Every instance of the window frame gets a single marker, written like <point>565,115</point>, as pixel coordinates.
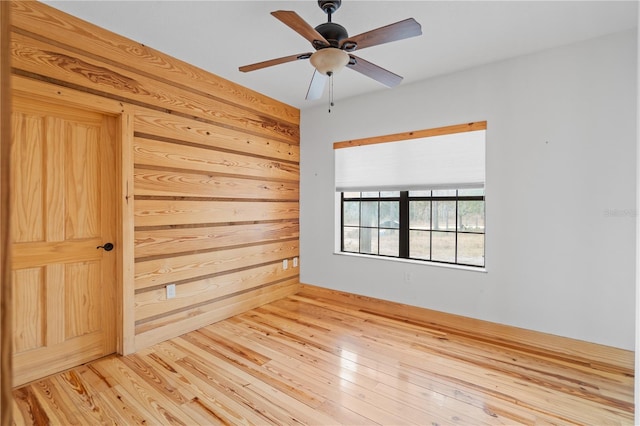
<point>353,182</point>
<point>404,199</point>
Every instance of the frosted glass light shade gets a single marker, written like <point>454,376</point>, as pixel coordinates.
<point>329,60</point>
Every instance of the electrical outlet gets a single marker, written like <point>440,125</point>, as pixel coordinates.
<point>285,264</point>
<point>171,291</point>
<point>295,262</point>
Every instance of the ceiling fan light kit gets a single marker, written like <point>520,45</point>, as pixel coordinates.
<point>329,60</point>
<point>334,46</point>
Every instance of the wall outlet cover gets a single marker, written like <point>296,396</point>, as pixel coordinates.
<point>171,291</point>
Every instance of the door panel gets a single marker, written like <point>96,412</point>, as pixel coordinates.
<point>27,176</point>
<point>28,330</point>
<point>82,183</point>
<point>82,301</point>
<point>63,209</point>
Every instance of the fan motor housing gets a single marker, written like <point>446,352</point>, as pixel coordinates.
<point>332,32</point>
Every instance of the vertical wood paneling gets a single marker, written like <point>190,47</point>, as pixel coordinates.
<point>210,176</point>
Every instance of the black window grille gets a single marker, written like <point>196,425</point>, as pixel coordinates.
<point>444,226</point>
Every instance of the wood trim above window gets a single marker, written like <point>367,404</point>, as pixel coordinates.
<point>416,134</point>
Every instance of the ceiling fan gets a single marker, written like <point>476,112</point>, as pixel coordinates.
<point>333,47</point>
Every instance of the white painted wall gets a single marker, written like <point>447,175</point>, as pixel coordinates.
<point>560,191</point>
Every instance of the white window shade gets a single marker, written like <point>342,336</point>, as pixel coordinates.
<point>449,161</point>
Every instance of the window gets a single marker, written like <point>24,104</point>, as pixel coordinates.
<point>371,223</point>
<point>445,226</point>
<point>418,195</point>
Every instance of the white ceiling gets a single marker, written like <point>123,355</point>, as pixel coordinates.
<point>220,36</point>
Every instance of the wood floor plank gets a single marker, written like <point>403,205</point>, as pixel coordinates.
<point>235,369</point>
<point>596,356</point>
<point>203,413</point>
<point>212,395</point>
<point>347,377</point>
<point>238,390</point>
<point>50,395</point>
<point>163,410</point>
<point>321,358</point>
<point>85,400</point>
<point>156,380</point>
<point>388,346</point>
<point>27,409</point>
<point>126,406</point>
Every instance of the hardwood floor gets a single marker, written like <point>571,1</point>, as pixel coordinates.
<point>326,358</point>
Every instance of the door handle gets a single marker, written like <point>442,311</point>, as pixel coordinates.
<point>106,247</point>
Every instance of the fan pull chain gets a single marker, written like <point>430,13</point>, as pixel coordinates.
<point>330,92</point>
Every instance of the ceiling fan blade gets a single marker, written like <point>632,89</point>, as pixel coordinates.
<point>375,72</point>
<point>299,25</point>
<point>316,88</point>
<point>393,32</point>
<point>271,62</point>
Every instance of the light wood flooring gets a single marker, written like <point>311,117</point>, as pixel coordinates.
<point>326,358</point>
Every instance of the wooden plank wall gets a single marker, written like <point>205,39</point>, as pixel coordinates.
<point>215,172</point>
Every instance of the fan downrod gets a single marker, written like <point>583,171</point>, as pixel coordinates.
<point>332,32</point>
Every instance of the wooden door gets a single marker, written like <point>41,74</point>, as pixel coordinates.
<point>63,208</point>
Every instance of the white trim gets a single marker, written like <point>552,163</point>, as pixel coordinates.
<point>482,269</point>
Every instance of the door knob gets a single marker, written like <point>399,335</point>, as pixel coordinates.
<point>106,247</point>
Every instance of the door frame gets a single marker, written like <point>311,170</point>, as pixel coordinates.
<point>125,321</point>
<point>6,329</point>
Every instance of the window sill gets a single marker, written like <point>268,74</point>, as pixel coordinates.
<point>415,262</point>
